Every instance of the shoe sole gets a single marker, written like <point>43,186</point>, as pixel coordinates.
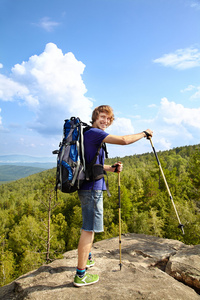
<point>88,266</point>
<point>85,284</point>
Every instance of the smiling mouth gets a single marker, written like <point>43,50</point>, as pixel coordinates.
<point>102,126</point>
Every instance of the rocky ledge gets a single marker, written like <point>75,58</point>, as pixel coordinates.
<point>152,268</point>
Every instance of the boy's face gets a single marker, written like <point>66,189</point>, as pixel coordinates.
<point>103,121</point>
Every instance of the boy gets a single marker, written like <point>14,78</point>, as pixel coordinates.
<point>91,193</point>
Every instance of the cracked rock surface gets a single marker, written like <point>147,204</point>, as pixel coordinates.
<point>152,268</point>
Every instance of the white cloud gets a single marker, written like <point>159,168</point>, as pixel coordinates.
<point>11,89</point>
<point>196,95</point>
<point>174,125</point>
<point>188,89</point>
<point>192,88</point>
<point>181,59</point>
<point>47,24</point>
<point>177,114</point>
<point>1,66</point>
<point>121,126</point>
<point>51,85</point>
<point>165,143</point>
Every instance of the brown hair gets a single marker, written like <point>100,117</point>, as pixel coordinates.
<point>103,108</point>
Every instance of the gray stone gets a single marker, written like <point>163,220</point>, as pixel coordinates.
<point>185,266</point>
<point>142,276</point>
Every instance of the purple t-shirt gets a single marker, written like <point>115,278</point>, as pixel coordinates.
<point>92,140</point>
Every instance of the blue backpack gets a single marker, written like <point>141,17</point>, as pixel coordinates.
<point>72,170</point>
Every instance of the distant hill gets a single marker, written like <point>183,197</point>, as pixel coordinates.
<point>26,158</point>
<point>14,167</point>
<point>28,161</point>
<point>13,172</point>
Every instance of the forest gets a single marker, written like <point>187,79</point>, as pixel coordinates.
<point>36,226</point>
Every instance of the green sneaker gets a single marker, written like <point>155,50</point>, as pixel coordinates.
<point>90,263</point>
<point>86,280</point>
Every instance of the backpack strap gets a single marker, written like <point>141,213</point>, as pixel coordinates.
<point>105,149</point>
<point>89,167</point>
<point>106,155</point>
<point>82,144</point>
<point>102,145</point>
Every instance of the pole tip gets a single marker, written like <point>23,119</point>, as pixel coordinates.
<point>120,266</point>
<point>181,227</point>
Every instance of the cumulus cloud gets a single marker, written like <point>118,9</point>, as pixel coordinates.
<point>121,126</point>
<point>173,124</point>
<point>181,59</point>
<point>177,114</point>
<point>11,89</point>
<point>51,85</point>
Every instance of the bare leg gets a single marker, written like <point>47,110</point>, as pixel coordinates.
<point>84,247</point>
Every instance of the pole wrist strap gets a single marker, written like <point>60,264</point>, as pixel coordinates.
<point>147,135</point>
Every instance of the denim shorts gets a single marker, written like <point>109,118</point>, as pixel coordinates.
<point>92,209</point>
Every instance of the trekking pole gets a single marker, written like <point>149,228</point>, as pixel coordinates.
<point>120,242</point>
<point>165,181</point>
<point>119,198</point>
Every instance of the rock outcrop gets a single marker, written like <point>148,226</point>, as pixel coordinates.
<point>152,268</point>
<point>185,266</point>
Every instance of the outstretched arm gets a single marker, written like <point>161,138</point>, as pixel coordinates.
<point>126,139</point>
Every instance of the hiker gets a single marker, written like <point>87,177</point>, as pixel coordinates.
<point>91,193</point>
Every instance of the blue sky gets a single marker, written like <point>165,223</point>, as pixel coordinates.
<point>61,58</point>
